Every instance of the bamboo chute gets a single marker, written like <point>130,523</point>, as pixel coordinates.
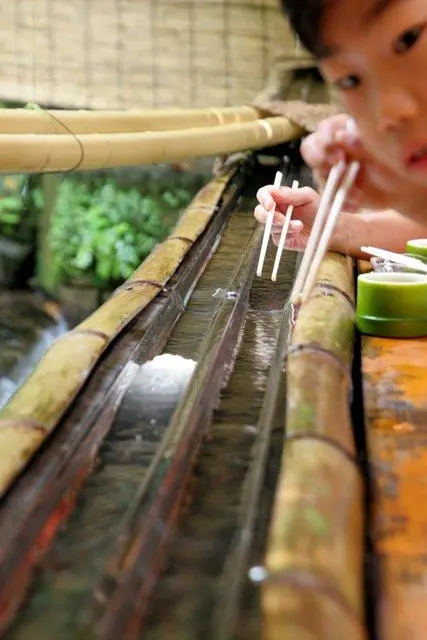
<point>314,561</point>
<point>29,153</point>
<point>54,121</point>
<point>35,409</point>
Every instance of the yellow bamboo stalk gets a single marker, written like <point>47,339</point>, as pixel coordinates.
<point>38,405</point>
<point>314,558</point>
<point>30,153</point>
<point>56,121</point>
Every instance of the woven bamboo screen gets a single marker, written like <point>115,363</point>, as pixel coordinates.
<point>139,53</point>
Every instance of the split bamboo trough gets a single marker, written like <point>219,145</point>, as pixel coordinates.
<point>38,405</point>
<point>317,561</point>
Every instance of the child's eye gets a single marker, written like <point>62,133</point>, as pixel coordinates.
<point>407,40</point>
<point>347,83</point>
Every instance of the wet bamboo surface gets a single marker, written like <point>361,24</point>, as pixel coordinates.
<point>54,478</point>
<point>394,374</point>
<point>151,503</point>
<point>35,409</point>
<point>62,604</point>
<point>314,561</point>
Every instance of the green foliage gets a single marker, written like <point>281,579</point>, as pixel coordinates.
<point>100,232</point>
<point>17,209</point>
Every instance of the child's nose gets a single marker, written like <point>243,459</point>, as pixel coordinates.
<point>396,107</point>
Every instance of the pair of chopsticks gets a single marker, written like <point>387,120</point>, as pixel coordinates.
<point>340,181</point>
<point>267,231</point>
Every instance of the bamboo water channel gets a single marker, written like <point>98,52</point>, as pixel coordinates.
<point>148,498</point>
<point>222,489</point>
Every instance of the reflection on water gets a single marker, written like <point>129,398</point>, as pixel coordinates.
<point>62,597</point>
<point>61,601</point>
<point>159,384</point>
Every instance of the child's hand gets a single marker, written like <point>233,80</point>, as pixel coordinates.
<point>377,186</point>
<point>305,201</point>
<point>319,150</point>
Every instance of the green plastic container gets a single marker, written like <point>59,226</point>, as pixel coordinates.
<point>392,305</point>
<point>417,249</point>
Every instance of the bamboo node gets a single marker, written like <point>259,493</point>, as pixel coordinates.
<point>334,289</point>
<point>89,332</point>
<point>317,348</point>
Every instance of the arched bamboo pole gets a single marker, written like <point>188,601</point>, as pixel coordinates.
<point>82,122</point>
<point>38,405</point>
<point>314,561</point>
<point>30,153</point>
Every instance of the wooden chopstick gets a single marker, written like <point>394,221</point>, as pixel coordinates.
<point>334,177</point>
<point>268,226</point>
<point>283,235</point>
<point>327,215</point>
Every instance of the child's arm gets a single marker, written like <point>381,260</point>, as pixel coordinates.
<point>385,229</point>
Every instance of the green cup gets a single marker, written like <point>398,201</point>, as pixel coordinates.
<point>392,305</point>
<point>417,249</point>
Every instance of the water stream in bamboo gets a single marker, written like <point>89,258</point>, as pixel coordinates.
<point>61,597</point>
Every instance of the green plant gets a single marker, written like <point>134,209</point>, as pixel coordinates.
<point>18,204</point>
<point>100,232</point>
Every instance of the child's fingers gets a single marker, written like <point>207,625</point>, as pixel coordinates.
<point>294,232</point>
<point>261,215</point>
<point>270,196</point>
<point>314,148</point>
<point>295,227</point>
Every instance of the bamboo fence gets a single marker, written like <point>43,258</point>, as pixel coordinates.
<point>394,374</point>
<point>125,54</point>
<point>313,589</point>
<point>38,405</point>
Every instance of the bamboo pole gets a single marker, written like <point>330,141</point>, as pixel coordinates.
<point>40,121</point>
<point>314,560</point>
<point>38,405</point>
<point>30,153</point>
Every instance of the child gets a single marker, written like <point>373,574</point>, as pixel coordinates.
<point>374,53</point>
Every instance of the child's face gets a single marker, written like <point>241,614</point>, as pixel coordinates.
<point>378,64</point>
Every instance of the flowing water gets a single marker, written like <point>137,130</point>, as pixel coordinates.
<point>60,603</point>
<point>28,325</point>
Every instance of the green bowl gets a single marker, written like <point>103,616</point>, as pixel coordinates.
<point>417,248</point>
<point>392,305</point>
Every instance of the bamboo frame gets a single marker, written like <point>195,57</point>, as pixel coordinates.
<point>31,153</point>
<point>50,122</point>
<point>38,405</point>
<point>314,559</point>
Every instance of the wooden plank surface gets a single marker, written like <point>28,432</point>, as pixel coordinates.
<point>395,399</point>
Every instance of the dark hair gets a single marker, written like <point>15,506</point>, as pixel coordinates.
<point>306,18</point>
